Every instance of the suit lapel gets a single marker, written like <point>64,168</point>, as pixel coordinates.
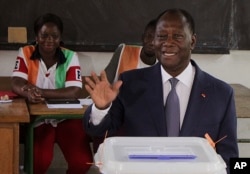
<point>196,103</point>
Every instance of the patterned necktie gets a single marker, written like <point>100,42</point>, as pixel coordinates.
<point>172,110</point>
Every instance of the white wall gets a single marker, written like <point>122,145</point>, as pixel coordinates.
<point>232,68</point>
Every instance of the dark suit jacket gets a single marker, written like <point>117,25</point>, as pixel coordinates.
<point>139,109</point>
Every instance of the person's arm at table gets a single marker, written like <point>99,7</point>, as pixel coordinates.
<point>34,94</point>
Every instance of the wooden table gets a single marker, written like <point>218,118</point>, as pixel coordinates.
<point>39,112</point>
<point>242,100</point>
<point>11,114</point>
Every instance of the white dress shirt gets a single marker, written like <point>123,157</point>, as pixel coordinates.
<point>183,87</point>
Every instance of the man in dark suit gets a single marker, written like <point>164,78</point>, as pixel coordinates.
<point>136,102</point>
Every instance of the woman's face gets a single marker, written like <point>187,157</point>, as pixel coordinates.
<point>48,38</point>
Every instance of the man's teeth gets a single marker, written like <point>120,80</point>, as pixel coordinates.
<point>169,54</point>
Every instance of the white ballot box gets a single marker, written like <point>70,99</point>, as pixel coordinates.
<point>158,155</point>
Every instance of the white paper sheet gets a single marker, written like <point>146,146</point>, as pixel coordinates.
<point>83,101</point>
<point>64,106</point>
<point>86,101</point>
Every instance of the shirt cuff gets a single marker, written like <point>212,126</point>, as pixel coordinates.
<point>97,115</point>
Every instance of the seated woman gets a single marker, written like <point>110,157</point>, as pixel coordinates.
<point>47,70</point>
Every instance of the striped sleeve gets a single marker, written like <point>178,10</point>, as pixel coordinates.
<point>20,69</point>
<point>74,75</point>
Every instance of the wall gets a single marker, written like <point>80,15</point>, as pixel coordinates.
<point>232,68</point>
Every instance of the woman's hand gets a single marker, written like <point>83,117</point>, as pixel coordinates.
<point>101,91</point>
<point>34,94</point>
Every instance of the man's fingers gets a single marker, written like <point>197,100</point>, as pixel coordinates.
<point>117,85</point>
<point>88,89</point>
<point>95,77</point>
<point>89,82</point>
<point>103,76</point>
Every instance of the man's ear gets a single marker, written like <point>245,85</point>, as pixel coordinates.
<point>193,41</point>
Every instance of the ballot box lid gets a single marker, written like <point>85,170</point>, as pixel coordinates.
<point>158,155</point>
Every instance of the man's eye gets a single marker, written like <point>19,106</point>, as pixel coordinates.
<point>178,36</point>
<point>162,37</point>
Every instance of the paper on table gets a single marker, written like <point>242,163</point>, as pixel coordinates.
<point>5,101</point>
<point>64,106</point>
<point>86,101</point>
<point>83,101</point>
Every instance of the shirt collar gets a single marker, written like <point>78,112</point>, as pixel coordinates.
<point>186,77</point>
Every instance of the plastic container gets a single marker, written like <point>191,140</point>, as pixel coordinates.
<point>158,155</point>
